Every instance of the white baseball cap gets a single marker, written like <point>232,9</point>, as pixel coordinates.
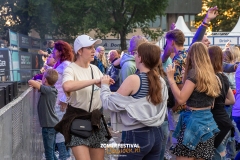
<point>84,41</point>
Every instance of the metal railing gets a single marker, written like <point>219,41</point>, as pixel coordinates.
<point>20,131</point>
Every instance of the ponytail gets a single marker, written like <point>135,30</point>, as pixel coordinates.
<point>154,93</point>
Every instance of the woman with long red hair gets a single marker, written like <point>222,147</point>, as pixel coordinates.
<point>63,55</point>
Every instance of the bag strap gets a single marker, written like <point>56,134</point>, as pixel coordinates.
<point>92,90</point>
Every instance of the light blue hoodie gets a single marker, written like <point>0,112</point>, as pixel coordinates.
<point>128,66</point>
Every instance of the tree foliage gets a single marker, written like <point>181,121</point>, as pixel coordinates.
<point>118,17</point>
<point>24,15</point>
<point>228,14</point>
<point>73,17</point>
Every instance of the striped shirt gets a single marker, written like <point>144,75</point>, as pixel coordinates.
<point>144,87</point>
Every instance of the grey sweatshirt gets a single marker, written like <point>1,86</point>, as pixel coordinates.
<point>128,113</point>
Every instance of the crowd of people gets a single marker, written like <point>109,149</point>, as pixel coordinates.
<point>184,98</point>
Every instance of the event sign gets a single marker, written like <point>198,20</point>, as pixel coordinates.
<point>35,43</point>
<point>223,40</point>
<point>36,61</point>
<point>25,64</point>
<point>110,44</point>
<point>15,66</point>
<point>25,60</point>
<point>24,41</point>
<point>13,38</point>
<point>4,65</point>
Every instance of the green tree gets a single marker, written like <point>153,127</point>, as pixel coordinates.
<point>118,17</point>
<point>228,14</point>
<point>23,15</point>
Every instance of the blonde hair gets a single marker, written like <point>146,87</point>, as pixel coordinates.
<point>236,53</point>
<point>198,60</point>
<point>103,59</point>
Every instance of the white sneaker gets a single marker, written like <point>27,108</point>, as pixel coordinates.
<point>167,155</point>
<point>43,156</point>
<point>57,154</point>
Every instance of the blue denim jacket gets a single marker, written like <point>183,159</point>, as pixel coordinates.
<point>200,126</point>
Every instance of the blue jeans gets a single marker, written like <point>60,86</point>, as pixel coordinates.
<point>149,139</point>
<point>49,134</point>
<point>64,152</point>
<point>123,136</point>
<point>221,148</point>
<point>237,121</point>
<point>230,147</point>
<point>238,156</point>
<point>165,132</point>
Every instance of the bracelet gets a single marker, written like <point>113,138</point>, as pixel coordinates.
<point>235,66</point>
<point>172,83</point>
<point>205,23</point>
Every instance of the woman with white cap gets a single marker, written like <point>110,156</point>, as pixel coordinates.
<point>81,82</point>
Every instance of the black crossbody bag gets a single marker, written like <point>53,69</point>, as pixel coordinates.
<point>83,127</point>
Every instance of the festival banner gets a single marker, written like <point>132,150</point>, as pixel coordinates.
<point>13,40</point>
<point>15,65</point>
<point>24,41</point>
<point>25,60</point>
<point>35,43</point>
<point>4,65</point>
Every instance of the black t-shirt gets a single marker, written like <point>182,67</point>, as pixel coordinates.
<point>198,99</point>
<point>219,113</point>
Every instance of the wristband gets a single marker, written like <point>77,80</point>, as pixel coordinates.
<point>235,66</point>
<point>205,23</point>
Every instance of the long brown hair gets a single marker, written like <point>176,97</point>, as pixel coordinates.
<point>199,60</point>
<point>159,69</point>
<point>216,57</point>
<point>150,54</point>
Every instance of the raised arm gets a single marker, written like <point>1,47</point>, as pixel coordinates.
<point>43,53</point>
<point>228,68</point>
<point>211,14</point>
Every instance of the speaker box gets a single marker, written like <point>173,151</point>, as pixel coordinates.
<point>6,89</point>
<point>14,91</point>
<point>2,104</point>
